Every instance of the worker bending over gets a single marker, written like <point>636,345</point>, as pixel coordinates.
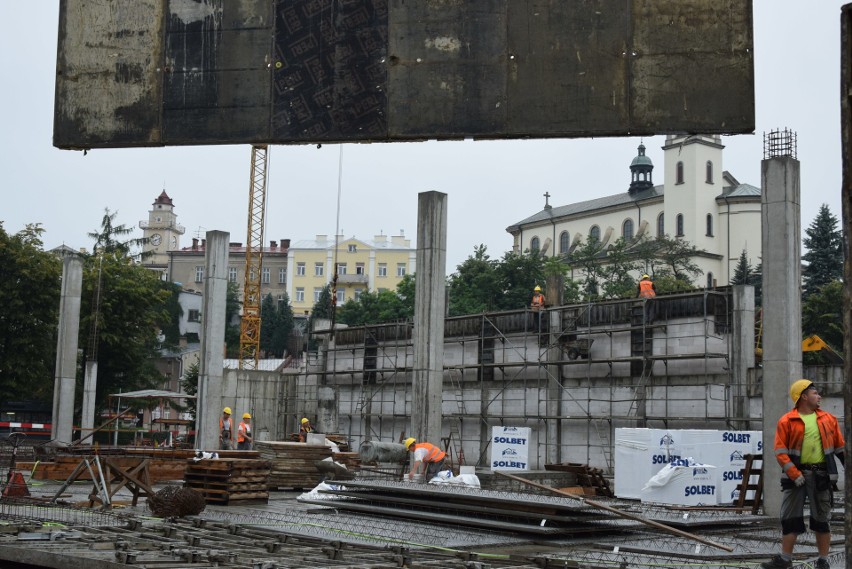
<point>427,458</point>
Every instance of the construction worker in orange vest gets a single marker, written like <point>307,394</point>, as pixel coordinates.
<point>226,430</point>
<point>537,305</point>
<point>647,291</point>
<point>305,428</point>
<point>427,457</point>
<point>244,438</point>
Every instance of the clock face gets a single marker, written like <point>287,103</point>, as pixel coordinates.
<point>156,239</point>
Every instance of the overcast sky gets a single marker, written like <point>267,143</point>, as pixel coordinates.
<point>490,185</point>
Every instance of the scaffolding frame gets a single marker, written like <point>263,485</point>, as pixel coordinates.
<point>514,368</point>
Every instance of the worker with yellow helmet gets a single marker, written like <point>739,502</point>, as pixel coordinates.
<point>427,458</point>
<point>807,440</point>
<point>244,438</point>
<point>226,428</point>
<point>647,292</point>
<point>305,428</point>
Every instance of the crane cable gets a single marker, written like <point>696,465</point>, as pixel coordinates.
<point>333,299</point>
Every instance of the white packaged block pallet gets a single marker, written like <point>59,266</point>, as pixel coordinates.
<point>684,482</point>
<point>639,455</point>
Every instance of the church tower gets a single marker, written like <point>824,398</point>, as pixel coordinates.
<point>640,170</point>
<point>161,231</point>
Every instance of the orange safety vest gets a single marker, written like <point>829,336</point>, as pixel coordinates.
<point>434,454</point>
<point>646,289</point>
<point>790,434</point>
<point>242,431</point>
<point>538,300</point>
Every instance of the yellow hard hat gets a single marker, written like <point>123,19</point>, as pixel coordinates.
<point>645,277</point>
<point>409,441</point>
<point>246,416</point>
<point>798,388</point>
<point>305,420</point>
<point>537,288</point>
<point>226,410</point>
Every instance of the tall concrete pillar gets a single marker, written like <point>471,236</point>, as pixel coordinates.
<point>554,388</point>
<point>90,388</point>
<point>782,305</point>
<point>429,310</point>
<point>65,378</point>
<point>742,352</point>
<point>211,372</point>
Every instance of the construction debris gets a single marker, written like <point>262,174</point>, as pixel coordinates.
<point>227,480</point>
<point>176,502</point>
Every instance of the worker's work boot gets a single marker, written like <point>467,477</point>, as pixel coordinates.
<point>822,563</point>
<point>777,562</point>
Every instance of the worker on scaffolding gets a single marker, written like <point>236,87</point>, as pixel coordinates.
<point>305,428</point>
<point>427,458</point>
<point>244,438</point>
<point>807,440</point>
<point>537,305</point>
<point>226,428</point>
<point>647,292</point>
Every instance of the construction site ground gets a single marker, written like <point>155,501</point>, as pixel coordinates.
<point>290,533</point>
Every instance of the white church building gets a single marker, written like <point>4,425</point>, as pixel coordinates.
<point>698,201</point>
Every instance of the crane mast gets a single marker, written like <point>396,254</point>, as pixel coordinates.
<point>250,321</point>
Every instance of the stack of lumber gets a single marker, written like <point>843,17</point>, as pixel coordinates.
<point>351,460</point>
<point>165,464</point>
<point>227,480</point>
<point>293,464</point>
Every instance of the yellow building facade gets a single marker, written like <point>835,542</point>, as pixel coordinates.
<point>362,265</point>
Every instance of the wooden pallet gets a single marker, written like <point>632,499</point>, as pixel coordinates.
<point>227,480</point>
<point>587,477</point>
<point>753,467</point>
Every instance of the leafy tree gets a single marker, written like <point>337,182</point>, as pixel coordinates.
<point>822,314</point>
<point>588,257</point>
<point>171,329</point>
<point>405,292</point>
<point>383,306</point>
<point>824,256</point>
<point>475,286</point>
<point>189,382</point>
<point>617,281</point>
<point>518,274</point>
<point>677,258</point>
<point>30,289</point>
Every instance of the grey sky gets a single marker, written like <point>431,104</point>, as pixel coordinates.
<point>490,185</point>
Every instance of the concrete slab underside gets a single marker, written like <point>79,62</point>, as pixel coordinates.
<point>287,533</point>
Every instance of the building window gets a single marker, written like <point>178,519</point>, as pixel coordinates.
<point>709,225</point>
<point>535,245</point>
<point>679,225</point>
<point>341,296</point>
<point>353,248</point>
<point>194,315</point>
<point>627,229</point>
<point>563,242</point>
<point>317,293</point>
<point>300,269</point>
<point>300,294</point>
<point>199,274</point>
<point>400,269</point>
<point>383,269</point>
<point>595,233</point>
<point>232,274</point>
<point>359,268</point>
<point>282,275</point>
<point>710,283</point>
<point>709,172</point>
<point>264,275</point>
<point>358,292</point>
<point>661,225</point>
<point>679,173</point>
<point>318,269</point>
<point>341,268</point>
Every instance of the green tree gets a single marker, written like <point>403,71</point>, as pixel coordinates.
<point>189,382</point>
<point>285,323</point>
<point>616,279</point>
<point>107,238</point>
<point>171,330</point>
<point>518,274</point>
<point>743,271</point>
<point>588,257</point>
<point>30,289</point>
<point>475,286</point>
<point>822,314</point>
<point>677,259</point>
<point>276,325</point>
<point>824,256</point>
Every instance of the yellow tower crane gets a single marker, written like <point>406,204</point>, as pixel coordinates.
<point>250,321</point>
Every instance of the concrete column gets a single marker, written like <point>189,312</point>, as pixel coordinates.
<point>211,372</point>
<point>429,310</point>
<point>65,378</point>
<point>90,387</point>
<point>782,306</point>
<point>742,352</point>
<point>328,409</point>
<point>554,388</point>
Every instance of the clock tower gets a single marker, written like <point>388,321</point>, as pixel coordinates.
<point>161,232</point>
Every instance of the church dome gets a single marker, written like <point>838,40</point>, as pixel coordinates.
<point>641,159</point>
